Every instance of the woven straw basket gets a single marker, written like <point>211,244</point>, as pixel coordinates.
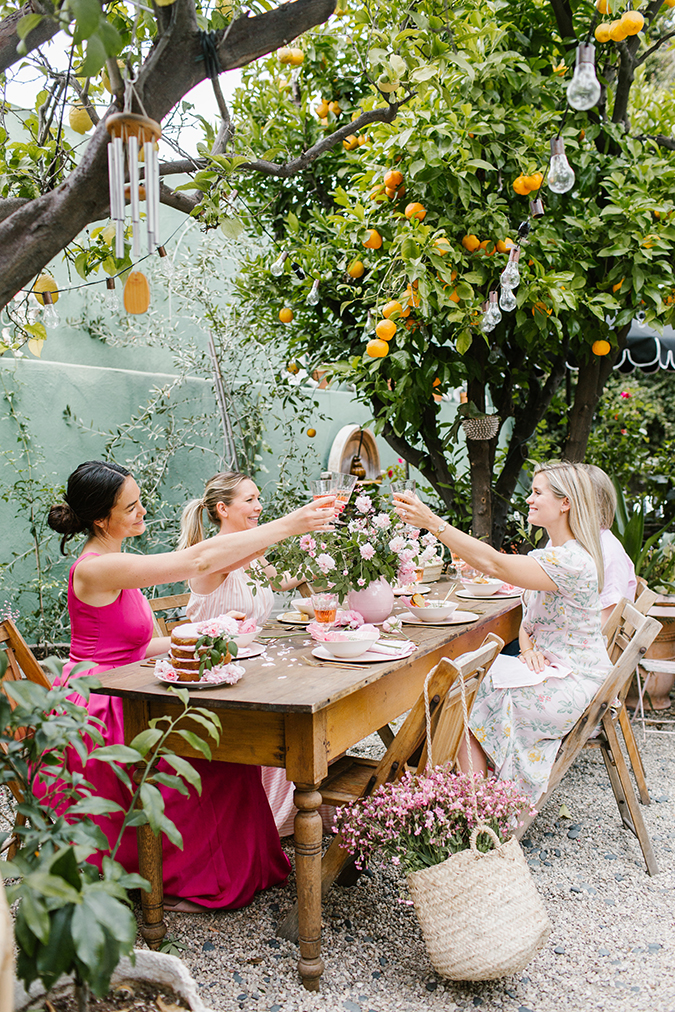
<point>480,914</point>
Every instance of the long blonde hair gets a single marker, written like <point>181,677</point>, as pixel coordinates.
<point>572,481</point>
<point>605,494</point>
<point>221,488</point>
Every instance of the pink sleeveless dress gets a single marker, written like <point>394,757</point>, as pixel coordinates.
<point>231,848</point>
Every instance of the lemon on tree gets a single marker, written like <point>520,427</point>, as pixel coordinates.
<point>286,314</point>
<point>385,329</point>
<point>79,119</point>
<point>356,269</point>
<point>471,243</point>
<point>373,239</point>
<point>601,348</point>
<point>390,309</point>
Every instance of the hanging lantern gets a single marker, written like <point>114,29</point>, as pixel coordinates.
<point>136,293</point>
<point>129,135</point>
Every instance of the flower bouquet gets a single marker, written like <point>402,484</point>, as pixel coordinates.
<point>368,544</point>
<point>478,907</point>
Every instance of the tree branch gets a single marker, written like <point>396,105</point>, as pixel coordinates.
<point>9,40</point>
<point>563,16</point>
<point>660,139</point>
<point>652,49</point>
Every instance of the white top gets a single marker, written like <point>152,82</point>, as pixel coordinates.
<point>619,571</point>
<point>235,593</point>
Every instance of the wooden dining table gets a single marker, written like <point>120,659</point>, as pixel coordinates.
<point>291,710</point>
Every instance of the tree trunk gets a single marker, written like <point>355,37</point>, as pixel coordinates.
<point>481,488</point>
<point>591,380</point>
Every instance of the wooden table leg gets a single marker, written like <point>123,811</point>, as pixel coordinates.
<point>153,927</point>
<point>308,833</point>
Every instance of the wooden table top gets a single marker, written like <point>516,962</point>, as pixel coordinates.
<point>286,678</point>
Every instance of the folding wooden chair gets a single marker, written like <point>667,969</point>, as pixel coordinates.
<point>353,777</point>
<point>20,664</point>
<point>164,624</point>
<point>617,632</point>
<point>634,633</point>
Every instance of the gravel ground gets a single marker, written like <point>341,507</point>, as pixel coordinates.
<point>612,946</point>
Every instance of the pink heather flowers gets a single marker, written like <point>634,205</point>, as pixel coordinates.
<point>419,821</point>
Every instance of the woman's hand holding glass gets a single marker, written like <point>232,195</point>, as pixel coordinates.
<point>413,511</point>
<point>315,516</point>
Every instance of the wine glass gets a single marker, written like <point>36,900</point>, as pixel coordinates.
<point>344,486</point>
<point>322,487</point>
<point>325,608</point>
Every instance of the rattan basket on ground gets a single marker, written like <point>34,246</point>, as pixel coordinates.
<point>480,914</point>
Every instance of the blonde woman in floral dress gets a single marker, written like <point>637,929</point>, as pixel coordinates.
<point>518,729</point>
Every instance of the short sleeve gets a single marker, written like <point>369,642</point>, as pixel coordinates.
<point>619,572</point>
<point>571,570</point>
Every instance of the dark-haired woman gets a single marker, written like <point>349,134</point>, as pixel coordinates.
<point>231,847</point>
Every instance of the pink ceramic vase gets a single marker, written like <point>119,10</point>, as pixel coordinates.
<point>374,602</point>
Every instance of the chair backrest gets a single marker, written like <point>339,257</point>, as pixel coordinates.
<point>615,630</point>
<point>634,635</point>
<point>20,661</point>
<point>162,624</point>
<point>644,596</point>
<point>446,714</point>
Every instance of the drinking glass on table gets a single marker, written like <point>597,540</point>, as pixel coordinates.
<point>325,607</point>
<point>322,486</point>
<point>343,488</point>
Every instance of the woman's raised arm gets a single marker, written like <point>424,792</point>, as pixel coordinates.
<point>516,569</point>
<point>100,574</point>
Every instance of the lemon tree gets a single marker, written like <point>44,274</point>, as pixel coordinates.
<point>480,91</point>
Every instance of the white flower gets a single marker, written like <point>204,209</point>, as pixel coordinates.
<point>429,539</point>
<point>397,544</point>
<point>325,563</point>
<point>382,521</point>
<point>364,503</point>
<point>367,551</point>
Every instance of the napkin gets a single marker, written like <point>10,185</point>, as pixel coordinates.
<point>397,648</point>
<point>510,672</point>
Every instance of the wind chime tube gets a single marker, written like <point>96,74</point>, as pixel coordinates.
<point>118,145</point>
<point>132,158</point>
<point>112,175</point>
<point>154,163</point>
<point>148,151</point>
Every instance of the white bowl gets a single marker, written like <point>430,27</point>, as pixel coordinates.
<point>349,648</point>
<point>243,639</point>
<point>303,604</point>
<point>482,589</point>
<point>436,610</point>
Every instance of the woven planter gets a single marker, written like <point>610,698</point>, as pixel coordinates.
<point>480,914</point>
<point>481,428</point>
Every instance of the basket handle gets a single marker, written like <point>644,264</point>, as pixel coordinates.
<point>480,829</point>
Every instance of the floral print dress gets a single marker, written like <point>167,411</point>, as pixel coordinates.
<point>521,728</point>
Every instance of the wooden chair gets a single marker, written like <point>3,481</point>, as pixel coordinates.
<point>633,634</point>
<point>353,777</point>
<point>617,631</point>
<point>164,625</point>
<point>20,664</point>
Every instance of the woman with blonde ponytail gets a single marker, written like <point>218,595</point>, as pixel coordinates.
<point>231,502</point>
<point>523,711</point>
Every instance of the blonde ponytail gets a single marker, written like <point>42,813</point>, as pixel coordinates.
<point>191,524</point>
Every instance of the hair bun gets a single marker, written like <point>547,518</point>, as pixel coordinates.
<point>63,519</point>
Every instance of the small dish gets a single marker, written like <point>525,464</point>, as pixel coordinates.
<point>482,589</point>
<point>294,618</point>
<point>230,677</point>
<point>349,648</point>
<point>459,618</point>
<point>252,650</point>
<point>244,639</point>
<point>303,605</point>
<point>411,588</point>
<point>467,595</point>
<point>435,610</point>
<point>369,656</point>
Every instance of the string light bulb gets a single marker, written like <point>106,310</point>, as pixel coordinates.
<point>277,268</point>
<point>493,309</point>
<point>510,276</point>
<point>560,172</point>
<point>313,297</point>
<point>486,324</point>
<point>584,89</point>
<point>110,300</point>
<point>50,312</point>
<point>640,318</point>
<point>167,262</point>
<point>507,299</point>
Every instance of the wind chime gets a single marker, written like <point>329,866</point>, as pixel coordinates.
<point>133,138</point>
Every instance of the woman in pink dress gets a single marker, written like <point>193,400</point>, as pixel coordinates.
<point>232,504</point>
<point>231,848</point>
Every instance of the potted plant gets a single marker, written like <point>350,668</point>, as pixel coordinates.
<point>369,551</point>
<point>451,834</point>
<point>70,918</point>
